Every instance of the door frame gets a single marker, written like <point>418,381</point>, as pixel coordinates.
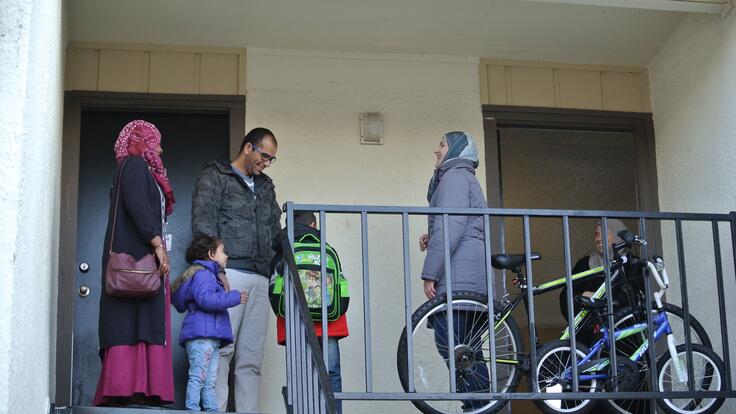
<point>75,102</point>
<point>637,123</point>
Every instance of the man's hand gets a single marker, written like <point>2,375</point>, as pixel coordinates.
<point>429,289</point>
<point>423,240</point>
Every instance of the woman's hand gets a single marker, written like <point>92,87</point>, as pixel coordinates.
<point>429,289</point>
<point>423,240</point>
<point>163,260</point>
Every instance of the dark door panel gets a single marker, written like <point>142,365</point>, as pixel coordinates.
<point>189,141</point>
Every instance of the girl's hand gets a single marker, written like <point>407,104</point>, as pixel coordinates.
<point>423,240</point>
<point>163,260</point>
<point>429,289</point>
<point>243,296</point>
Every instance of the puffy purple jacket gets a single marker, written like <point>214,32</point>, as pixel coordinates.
<point>206,302</point>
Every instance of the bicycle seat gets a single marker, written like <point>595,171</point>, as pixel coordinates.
<point>590,303</point>
<point>511,261</point>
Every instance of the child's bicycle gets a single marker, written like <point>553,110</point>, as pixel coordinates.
<point>554,366</point>
<point>472,342</point>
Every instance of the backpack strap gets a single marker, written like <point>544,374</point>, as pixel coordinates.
<point>311,238</point>
<point>303,238</point>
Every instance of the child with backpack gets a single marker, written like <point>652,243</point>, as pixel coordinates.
<point>307,257</point>
<point>202,294</point>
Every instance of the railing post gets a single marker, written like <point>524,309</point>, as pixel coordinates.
<point>323,281</point>
<point>609,299</point>
<point>490,284</point>
<point>570,305</point>
<point>530,306</point>
<point>407,302</point>
<point>722,302</point>
<point>288,308</point>
<point>450,316</point>
<point>685,304</point>
<point>650,323</point>
<point>366,302</point>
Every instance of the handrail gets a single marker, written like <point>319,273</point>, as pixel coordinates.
<point>508,212</point>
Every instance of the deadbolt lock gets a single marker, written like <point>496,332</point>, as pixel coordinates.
<point>84,291</point>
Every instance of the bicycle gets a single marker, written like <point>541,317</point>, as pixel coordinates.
<point>472,340</point>
<point>554,366</point>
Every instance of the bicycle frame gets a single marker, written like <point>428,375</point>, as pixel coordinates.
<point>547,287</point>
<point>661,328</point>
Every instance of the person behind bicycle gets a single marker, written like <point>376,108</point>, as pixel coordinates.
<point>454,184</point>
<point>590,284</point>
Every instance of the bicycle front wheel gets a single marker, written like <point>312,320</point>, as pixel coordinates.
<point>626,347</point>
<point>708,375</point>
<point>471,354</point>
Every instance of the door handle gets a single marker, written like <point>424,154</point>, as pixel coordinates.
<point>84,291</point>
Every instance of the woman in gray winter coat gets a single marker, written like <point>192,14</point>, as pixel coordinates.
<point>454,185</point>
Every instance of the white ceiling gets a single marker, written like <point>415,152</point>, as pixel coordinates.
<point>507,29</point>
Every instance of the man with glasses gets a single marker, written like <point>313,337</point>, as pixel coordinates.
<point>236,202</point>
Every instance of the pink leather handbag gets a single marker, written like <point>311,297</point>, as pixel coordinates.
<point>126,277</point>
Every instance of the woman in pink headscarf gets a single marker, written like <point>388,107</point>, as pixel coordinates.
<point>135,334</point>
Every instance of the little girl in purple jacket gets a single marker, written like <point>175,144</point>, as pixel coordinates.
<point>202,294</point>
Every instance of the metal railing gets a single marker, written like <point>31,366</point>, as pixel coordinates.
<point>298,323</point>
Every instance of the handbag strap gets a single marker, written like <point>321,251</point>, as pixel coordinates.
<point>118,181</point>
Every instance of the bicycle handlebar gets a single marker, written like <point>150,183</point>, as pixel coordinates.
<point>629,239</point>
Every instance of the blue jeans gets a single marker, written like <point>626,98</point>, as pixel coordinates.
<point>472,377</point>
<point>203,361</point>
<point>333,368</point>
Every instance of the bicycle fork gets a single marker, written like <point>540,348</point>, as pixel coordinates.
<point>664,283</point>
<point>679,369</point>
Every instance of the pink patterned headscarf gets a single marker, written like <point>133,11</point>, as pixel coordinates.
<point>143,138</point>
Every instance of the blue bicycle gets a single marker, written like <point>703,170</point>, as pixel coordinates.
<point>555,375</point>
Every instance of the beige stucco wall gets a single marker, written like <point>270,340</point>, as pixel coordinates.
<point>312,102</point>
<point>693,87</point>
<point>30,164</point>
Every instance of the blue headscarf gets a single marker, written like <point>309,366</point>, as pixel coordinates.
<point>461,149</point>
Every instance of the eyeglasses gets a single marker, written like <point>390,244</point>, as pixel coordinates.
<point>265,157</point>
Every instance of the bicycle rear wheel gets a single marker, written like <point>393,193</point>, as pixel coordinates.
<point>554,378</point>
<point>471,354</point>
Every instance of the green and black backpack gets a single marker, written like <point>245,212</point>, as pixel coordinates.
<point>308,263</point>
